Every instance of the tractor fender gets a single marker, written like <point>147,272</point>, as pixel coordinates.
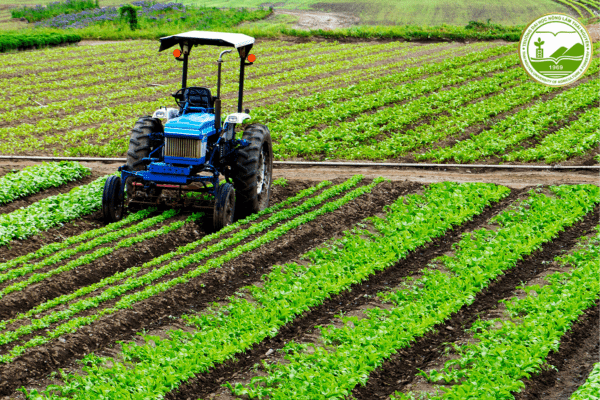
<point>236,118</point>
<point>166,113</point>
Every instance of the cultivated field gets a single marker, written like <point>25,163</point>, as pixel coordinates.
<point>340,288</point>
<point>418,12</point>
<point>438,102</point>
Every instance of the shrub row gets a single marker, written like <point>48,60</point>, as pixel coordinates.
<point>29,39</point>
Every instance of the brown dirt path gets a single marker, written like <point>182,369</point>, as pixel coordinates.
<point>314,20</point>
<point>516,179</point>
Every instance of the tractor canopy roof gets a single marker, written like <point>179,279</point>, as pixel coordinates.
<point>238,40</point>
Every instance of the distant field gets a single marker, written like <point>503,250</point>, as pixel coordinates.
<point>382,12</point>
<point>398,101</point>
<point>418,12</point>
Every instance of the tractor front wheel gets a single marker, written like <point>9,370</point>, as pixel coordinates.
<point>253,170</point>
<point>224,206</point>
<point>112,200</point>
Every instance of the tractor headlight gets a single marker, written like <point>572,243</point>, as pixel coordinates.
<point>166,113</point>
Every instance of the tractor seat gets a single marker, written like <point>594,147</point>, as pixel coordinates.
<point>198,97</point>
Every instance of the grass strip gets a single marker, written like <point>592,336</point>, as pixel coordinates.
<point>86,259</point>
<point>36,178</point>
<point>352,352</point>
<point>165,257</point>
<point>16,40</point>
<point>56,246</point>
<point>506,351</point>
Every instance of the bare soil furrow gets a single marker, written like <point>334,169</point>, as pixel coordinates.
<point>118,261</point>
<point>159,310</point>
<point>400,370</point>
<point>578,352</point>
<point>355,297</point>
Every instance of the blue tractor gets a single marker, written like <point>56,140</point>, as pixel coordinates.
<point>187,156</point>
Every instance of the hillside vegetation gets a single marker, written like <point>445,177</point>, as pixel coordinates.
<point>415,12</point>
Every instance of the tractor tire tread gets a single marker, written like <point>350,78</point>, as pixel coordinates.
<point>248,201</point>
<point>140,144</point>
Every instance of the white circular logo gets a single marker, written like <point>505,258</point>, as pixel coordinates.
<point>555,49</point>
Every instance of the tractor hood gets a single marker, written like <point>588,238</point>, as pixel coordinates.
<point>191,126</point>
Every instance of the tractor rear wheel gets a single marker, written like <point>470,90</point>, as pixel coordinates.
<point>140,145</point>
<point>253,170</point>
<point>224,206</point>
<point>112,200</point>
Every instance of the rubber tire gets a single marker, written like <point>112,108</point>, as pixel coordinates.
<point>112,200</point>
<point>245,171</point>
<point>140,145</point>
<point>224,208</point>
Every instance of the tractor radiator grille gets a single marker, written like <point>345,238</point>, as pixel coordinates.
<point>177,147</point>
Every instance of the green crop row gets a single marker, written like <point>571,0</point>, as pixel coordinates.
<point>285,293</point>
<point>294,135</point>
<point>121,111</point>
<point>575,139</point>
<point>17,40</point>
<point>361,73</point>
<point>351,352</point>
<point>70,241</point>
<point>590,389</point>
<point>344,137</point>
<point>62,57</point>
<point>506,351</point>
<point>45,321</point>
<point>108,132</point>
<point>297,109</point>
<point>160,67</point>
<point>172,75</point>
<point>61,300</point>
<point>51,211</point>
<point>65,58</point>
<point>529,122</point>
<point>455,123</point>
<point>144,60</point>
<point>83,248</point>
<point>24,133</point>
<point>35,178</point>
<point>147,280</point>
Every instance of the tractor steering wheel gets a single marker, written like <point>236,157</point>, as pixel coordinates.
<point>178,95</point>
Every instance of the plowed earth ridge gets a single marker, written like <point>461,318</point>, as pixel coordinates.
<point>160,312</point>
<point>356,296</point>
<point>401,369</point>
<point>157,309</point>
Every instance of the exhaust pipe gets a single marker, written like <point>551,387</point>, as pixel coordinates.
<point>218,99</point>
